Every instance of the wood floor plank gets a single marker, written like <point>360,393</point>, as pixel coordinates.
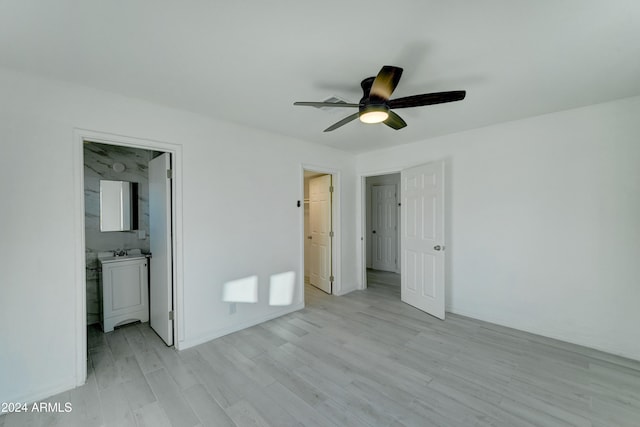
<point>151,415</point>
<point>244,414</point>
<point>269,408</point>
<point>239,362</point>
<point>275,328</point>
<point>170,397</point>
<point>115,407</point>
<point>235,381</point>
<point>104,366</point>
<point>340,415</point>
<point>174,365</point>
<point>208,411</point>
<point>285,324</point>
<point>373,408</point>
<point>138,393</point>
<point>224,395</point>
<point>532,414</point>
<point>296,407</point>
<point>285,376</point>
<point>86,404</point>
<point>117,342</point>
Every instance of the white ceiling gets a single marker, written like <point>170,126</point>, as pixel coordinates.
<point>248,61</point>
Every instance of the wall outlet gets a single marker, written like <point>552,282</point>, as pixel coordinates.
<point>232,308</point>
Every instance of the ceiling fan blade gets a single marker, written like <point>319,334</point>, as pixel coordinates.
<point>395,121</point>
<point>427,99</point>
<point>342,122</point>
<point>325,104</point>
<point>385,83</point>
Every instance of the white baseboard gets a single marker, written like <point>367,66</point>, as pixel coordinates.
<point>344,292</point>
<point>217,333</point>
<point>44,393</point>
<point>547,334</point>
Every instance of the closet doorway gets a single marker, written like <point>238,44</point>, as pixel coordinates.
<point>318,230</point>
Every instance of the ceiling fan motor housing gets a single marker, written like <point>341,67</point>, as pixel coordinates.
<point>376,108</point>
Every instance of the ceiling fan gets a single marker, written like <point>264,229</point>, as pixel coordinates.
<point>375,105</point>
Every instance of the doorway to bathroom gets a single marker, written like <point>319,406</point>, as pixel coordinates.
<point>131,274</point>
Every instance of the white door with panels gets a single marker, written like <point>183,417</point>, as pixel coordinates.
<point>422,271</point>
<point>161,269</point>
<point>321,232</point>
<point>384,227</point>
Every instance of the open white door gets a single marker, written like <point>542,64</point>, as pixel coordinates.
<point>320,224</point>
<point>384,237</point>
<point>422,239</point>
<point>161,270</point>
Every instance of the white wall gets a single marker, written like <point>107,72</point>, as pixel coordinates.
<point>543,220</point>
<point>240,188</point>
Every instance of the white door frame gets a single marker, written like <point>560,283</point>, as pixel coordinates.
<point>363,221</point>
<point>336,225</point>
<point>81,135</point>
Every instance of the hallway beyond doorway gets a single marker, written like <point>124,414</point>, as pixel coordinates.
<point>384,280</point>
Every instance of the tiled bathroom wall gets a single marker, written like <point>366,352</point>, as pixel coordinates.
<point>98,164</point>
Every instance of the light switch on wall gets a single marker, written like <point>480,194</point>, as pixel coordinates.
<point>142,234</point>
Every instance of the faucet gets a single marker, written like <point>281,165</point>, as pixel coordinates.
<point>119,252</point>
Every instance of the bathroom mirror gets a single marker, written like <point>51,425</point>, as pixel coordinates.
<point>118,205</point>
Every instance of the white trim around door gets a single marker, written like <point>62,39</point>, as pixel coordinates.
<point>79,136</point>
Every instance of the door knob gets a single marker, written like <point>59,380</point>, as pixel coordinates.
<point>374,231</point>
<point>437,248</point>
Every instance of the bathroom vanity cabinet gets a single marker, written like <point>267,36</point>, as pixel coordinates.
<point>124,291</point>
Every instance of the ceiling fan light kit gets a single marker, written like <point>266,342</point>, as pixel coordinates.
<point>375,105</point>
<point>374,114</point>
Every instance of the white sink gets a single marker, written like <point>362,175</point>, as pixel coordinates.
<point>132,254</point>
<point>122,258</point>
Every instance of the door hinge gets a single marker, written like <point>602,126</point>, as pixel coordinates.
<point>331,234</point>
<point>331,278</point>
<point>331,189</point>
<point>171,315</point>
<point>169,173</point>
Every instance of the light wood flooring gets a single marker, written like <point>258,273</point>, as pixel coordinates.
<point>364,359</point>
